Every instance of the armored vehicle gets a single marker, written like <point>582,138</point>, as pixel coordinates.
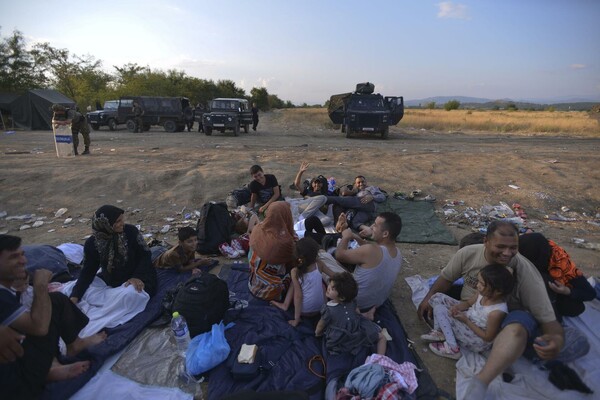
<point>227,114</point>
<point>107,116</point>
<point>167,112</point>
<point>365,111</point>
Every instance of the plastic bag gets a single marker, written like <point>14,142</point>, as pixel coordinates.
<point>207,350</point>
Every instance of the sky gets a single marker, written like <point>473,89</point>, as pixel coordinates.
<point>305,51</point>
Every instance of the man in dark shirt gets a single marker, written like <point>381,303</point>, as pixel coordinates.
<point>254,116</point>
<point>264,188</point>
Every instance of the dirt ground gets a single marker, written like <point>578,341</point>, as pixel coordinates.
<point>158,175</point>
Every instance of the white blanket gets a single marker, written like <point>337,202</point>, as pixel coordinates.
<point>529,381</point>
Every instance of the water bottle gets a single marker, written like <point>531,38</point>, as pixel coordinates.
<point>330,185</point>
<point>180,332</point>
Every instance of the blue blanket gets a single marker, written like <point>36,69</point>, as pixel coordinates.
<point>117,339</point>
<point>289,348</point>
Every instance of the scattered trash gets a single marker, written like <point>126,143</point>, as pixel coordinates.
<point>552,161</point>
<point>51,230</point>
<point>165,229</point>
<point>10,132</point>
<point>119,201</point>
<point>558,217</point>
<point>37,224</point>
<point>68,221</point>
<point>24,227</point>
<point>60,212</point>
<point>3,214</point>
<point>20,217</point>
<point>3,232</point>
<point>169,219</point>
<point>578,240</point>
<point>514,187</point>
<point>588,245</point>
<point>564,209</point>
<point>595,223</point>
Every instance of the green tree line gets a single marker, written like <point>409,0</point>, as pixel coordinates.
<point>83,79</point>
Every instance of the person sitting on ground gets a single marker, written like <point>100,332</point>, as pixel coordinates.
<point>127,278</point>
<point>306,292</point>
<point>271,254</point>
<point>345,329</point>
<point>567,288</point>
<point>181,257</point>
<point>314,197</point>
<point>530,318</point>
<point>474,323</point>
<point>27,367</point>
<point>377,264</point>
<point>264,188</point>
<point>357,203</point>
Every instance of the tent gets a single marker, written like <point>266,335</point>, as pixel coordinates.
<point>6,100</point>
<point>32,110</point>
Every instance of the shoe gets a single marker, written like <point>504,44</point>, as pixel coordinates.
<point>442,349</point>
<point>86,151</point>
<point>433,336</point>
<point>228,251</point>
<point>237,246</point>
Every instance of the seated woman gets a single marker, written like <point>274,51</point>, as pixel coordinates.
<point>127,279</point>
<point>271,253</point>
<point>567,287</point>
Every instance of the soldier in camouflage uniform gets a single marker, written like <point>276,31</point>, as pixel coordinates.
<point>65,116</point>
<point>138,111</point>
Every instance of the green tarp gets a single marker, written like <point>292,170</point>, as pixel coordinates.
<point>420,224</point>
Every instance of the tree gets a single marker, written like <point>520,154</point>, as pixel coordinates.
<point>18,70</point>
<point>260,96</point>
<point>452,105</point>
<point>430,105</point>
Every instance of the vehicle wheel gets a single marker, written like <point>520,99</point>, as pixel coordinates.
<point>131,125</point>
<point>236,130</point>
<point>170,126</point>
<point>385,132</point>
<point>95,127</point>
<point>246,128</point>
<point>348,131</point>
<point>112,124</point>
<point>146,127</point>
<point>208,130</point>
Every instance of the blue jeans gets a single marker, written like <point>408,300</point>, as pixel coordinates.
<point>576,344</point>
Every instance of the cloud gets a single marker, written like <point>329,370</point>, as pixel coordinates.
<point>447,9</point>
<point>577,66</point>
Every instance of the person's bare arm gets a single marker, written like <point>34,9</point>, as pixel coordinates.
<point>297,298</point>
<point>440,285</point>
<point>275,197</point>
<point>463,305</point>
<point>253,199</point>
<point>10,344</point>
<point>37,321</point>
<point>320,327</point>
<point>298,181</point>
<point>551,342</point>
<point>493,324</point>
<point>359,256</point>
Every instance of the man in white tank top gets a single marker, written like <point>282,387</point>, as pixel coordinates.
<point>377,264</point>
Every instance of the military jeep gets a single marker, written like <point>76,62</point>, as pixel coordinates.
<point>107,116</point>
<point>227,114</point>
<point>365,111</point>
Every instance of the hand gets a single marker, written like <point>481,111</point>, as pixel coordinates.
<point>42,277</point>
<point>347,234</point>
<point>425,311</point>
<point>365,231</point>
<point>262,209</point>
<point>138,285</point>
<point>453,310</point>
<point>366,199</point>
<point>294,323</point>
<point>304,166</point>
<point>196,271</point>
<point>10,345</point>
<point>559,288</point>
<point>460,316</point>
<point>318,333</point>
<point>74,300</point>
<point>548,346</point>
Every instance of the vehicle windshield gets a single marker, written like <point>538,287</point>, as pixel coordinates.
<point>366,103</point>
<point>111,105</point>
<point>225,105</point>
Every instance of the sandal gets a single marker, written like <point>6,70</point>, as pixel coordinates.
<point>434,336</point>
<point>444,350</point>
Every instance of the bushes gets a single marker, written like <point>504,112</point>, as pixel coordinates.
<point>452,105</point>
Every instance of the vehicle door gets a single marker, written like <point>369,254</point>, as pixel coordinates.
<point>245,113</point>
<point>125,110</point>
<point>396,106</point>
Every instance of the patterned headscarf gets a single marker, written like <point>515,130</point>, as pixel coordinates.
<point>111,246</point>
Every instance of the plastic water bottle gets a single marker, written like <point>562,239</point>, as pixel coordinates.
<point>181,332</point>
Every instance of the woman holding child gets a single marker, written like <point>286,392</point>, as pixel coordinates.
<point>271,253</point>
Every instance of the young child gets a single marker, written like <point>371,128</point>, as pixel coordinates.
<point>306,290</point>
<point>182,257</point>
<point>473,323</point>
<point>345,329</point>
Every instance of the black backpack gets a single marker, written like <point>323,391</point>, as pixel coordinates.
<point>214,227</point>
<point>203,301</point>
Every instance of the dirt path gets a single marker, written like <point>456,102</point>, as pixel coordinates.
<point>157,175</point>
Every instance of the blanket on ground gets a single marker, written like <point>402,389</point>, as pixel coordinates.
<point>286,352</point>
<point>117,339</point>
<point>529,381</point>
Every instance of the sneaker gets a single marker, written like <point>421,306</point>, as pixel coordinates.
<point>442,349</point>
<point>433,336</point>
<point>228,251</point>
<point>237,246</point>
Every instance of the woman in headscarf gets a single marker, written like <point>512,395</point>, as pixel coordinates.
<point>271,253</point>
<point>126,278</point>
<point>567,287</point>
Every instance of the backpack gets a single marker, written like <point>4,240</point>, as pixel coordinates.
<point>215,226</point>
<point>203,301</point>
<point>238,197</point>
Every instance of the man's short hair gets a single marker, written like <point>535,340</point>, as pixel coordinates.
<point>185,233</point>
<point>391,223</point>
<point>9,242</point>
<point>359,177</point>
<point>255,168</point>
<point>496,226</point>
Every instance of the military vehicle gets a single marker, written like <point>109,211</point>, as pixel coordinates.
<point>168,112</point>
<point>365,111</point>
<point>227,114</point>
<point>107,116</point>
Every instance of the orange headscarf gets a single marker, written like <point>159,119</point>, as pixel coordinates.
<point>273,239</point>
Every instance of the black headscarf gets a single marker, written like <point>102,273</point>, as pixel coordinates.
<point>535,247</point>
<point>111,246</point>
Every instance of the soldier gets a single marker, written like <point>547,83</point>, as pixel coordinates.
<point>198,113</point>
<point>254,116</point>
<point>78,122</point>
<point>138,111</point>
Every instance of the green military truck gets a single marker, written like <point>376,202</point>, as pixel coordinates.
<point>227,114</point>
<point>168,112</point>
